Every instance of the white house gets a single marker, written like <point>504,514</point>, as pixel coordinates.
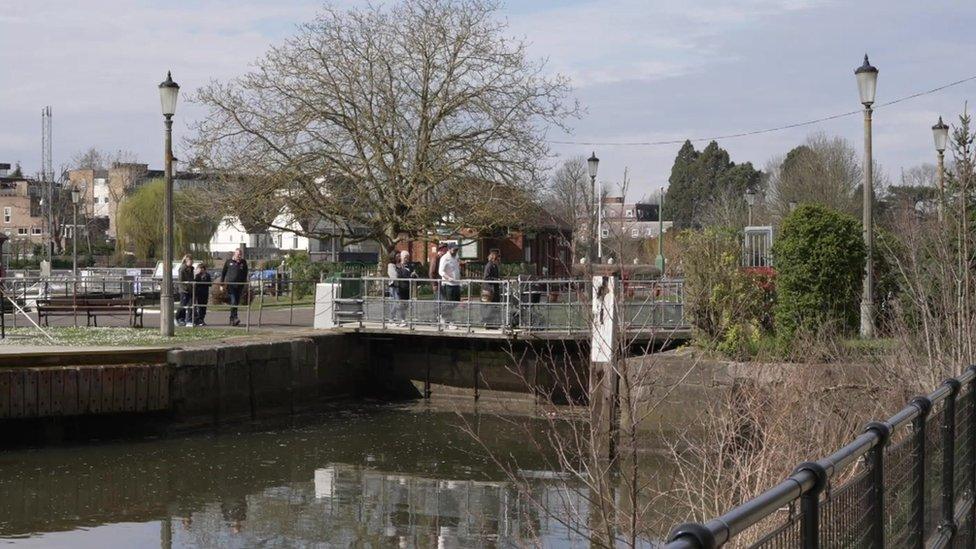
<point>267,242</point>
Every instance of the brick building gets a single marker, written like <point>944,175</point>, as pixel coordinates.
<point>20,214</point>
<point>541,243</point>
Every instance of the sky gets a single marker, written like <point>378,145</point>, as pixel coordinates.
<point>643,70</point>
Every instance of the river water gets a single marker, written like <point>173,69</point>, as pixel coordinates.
<point>357,475</point>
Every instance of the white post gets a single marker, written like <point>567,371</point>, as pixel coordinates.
<point>603,364</point>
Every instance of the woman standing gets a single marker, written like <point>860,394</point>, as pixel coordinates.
<point>392,263</point>
<point>491,293</point>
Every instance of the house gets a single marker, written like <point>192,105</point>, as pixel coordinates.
<point>282,237</point>
<point>104,190</point>
<point>22,219</point>
<point>540,242</point>
<point>635,221</point>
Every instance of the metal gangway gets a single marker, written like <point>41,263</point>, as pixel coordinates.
<point>519,305</point>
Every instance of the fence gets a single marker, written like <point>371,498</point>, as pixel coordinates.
<point>262,301</point>
<point>908,482</point>
<point>550,305</point>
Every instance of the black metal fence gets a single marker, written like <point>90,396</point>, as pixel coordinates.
<point>907,482</point>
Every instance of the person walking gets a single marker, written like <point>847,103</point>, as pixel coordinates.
<point>234,277</point>
<point>404,273</point>
<point>185,277</point>
<point>491,293</point>
<point>201,294</point>
<point>433,272</point>
<point>392,261</point>
<point>450,273</point>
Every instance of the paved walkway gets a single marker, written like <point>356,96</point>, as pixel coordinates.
<point>274,317</point>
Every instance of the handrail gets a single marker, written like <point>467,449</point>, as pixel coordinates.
<point>810,478</point>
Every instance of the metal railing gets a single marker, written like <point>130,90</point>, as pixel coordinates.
<point>908,481</point>
<point>524,304</point>
<point>262,301</point>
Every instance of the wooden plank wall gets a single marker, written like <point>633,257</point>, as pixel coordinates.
<point>83,390</point>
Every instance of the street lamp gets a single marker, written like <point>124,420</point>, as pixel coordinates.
<point>168,92</point>
<point>75,198</point>
<point>940,133</point>
<point>867,83</point>
<point>750,202</point>
<point>592,163</point>
<point>660,233</point>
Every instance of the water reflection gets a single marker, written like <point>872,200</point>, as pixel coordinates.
<point>374,476</point>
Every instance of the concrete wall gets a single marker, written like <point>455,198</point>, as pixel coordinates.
<point>250,380</point>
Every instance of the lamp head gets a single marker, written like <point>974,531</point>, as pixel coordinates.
<point>940,133</point>
<point>168,92</point>
<point>867,81</point>
<point>592,163</point>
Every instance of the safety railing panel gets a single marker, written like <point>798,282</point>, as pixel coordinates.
<point>550,305</point>
<point>905,482</point>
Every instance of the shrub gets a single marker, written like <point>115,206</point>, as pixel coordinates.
<point>820,261</point>
<point>724,302</point>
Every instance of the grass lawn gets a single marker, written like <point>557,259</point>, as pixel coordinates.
<point>107,337</point>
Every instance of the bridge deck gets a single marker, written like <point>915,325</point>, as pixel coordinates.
<point>660,334</point>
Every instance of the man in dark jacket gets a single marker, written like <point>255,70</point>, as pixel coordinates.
<point>201,295</point>
<point>234,278</point>
<point>186,290</point>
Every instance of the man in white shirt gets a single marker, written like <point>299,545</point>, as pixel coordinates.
<point>449,270</point>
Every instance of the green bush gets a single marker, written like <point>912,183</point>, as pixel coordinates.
<point>725,303</point>
<point>820,261</point>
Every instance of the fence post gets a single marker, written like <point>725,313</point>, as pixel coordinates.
<point>948,526</point>
<point>810,505</point>
<point>876,493</point>
<point>919,428</point>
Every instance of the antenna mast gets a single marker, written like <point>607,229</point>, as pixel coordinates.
<point>47,177</point>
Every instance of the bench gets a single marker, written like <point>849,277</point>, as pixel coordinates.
<point>92,308</point>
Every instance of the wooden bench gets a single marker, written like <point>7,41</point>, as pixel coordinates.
<point>91,307</point>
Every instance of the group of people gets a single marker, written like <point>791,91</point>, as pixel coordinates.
<point>194,286</point>
<point>445,274</point>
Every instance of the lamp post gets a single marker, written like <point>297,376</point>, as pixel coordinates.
<point>867,82</point>
<point>660,233</point>
<point>750,202</point>
<point>940,133</point>
<point>168,92</point>
<point>596,251</point>
<point>75,198</point>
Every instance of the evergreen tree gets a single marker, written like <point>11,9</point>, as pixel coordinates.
<point>697,178</point>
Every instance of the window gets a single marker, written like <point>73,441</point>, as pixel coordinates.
<point>648,231</point>
<point>605,233</point>
<point>36,231</point>
<point>294,242</point>
<point>6,214</point>
<point>635,232</point>
<point>22,231</point>
<point>105,200</point>
<point>630,213</point>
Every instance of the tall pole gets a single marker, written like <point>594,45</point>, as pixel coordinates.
<point>74,243</point>
<point>867,296</point>
<point>593,235</point>
<point>166,292</point>
<point>599,225</point>
<point>941,168</point>
<point>660,233</point>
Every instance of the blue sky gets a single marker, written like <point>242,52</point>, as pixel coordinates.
<point>644,70</point>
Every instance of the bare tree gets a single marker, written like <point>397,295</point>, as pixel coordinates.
<point>570,198</point>
<point>392,119</point>
<point>824,170</point>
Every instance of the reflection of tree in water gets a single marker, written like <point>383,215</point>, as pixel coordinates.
<point>344,505</point>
